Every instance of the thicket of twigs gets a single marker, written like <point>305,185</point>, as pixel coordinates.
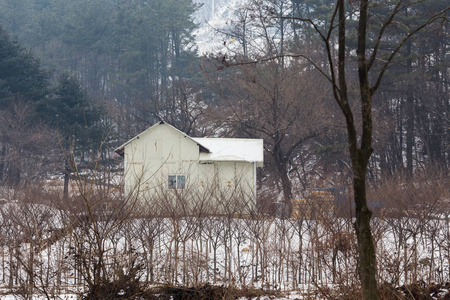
<point>98,243</point>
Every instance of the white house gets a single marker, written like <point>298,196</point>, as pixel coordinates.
<point>163,162</point>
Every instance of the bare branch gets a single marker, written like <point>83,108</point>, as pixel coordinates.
<point>432,19</point>
<point>380,35</point>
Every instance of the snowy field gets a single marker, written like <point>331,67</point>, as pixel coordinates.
<point>58,252</point>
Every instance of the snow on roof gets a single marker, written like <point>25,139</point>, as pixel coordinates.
<point>218,149</point>
<point>226,149</point>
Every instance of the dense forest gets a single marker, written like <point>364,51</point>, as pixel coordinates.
<point>80,77</point>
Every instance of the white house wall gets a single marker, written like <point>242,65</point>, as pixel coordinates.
<point>156,151</point>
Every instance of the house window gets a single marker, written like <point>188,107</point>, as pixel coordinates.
<point>177,181</point>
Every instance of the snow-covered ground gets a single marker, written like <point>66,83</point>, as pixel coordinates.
<point>214,21</point>
<point>241,28</point>
<point>296,255</point>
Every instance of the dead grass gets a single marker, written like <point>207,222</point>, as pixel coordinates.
<point>208,291</point>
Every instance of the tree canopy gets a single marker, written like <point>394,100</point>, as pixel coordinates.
<point>21,74</point>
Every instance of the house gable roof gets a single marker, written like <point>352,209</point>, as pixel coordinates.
<point>232,149</point>
<point>120,150</point>
<point>217,149</point>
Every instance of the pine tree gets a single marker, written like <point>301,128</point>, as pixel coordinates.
<point>20,73</point>
<point>71,112</point>
<point>23,83</point>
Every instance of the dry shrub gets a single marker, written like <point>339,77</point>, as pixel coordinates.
<point>127,286</point>
<point>336,292</point>
<point>415,291</point>
<point>210,292</point>
<point>422,291</point>
<point>401,196</point>
<point>388,292</point>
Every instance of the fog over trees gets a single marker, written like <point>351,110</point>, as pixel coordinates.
<point>312,78</point>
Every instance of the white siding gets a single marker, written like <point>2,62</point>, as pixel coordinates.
<point>162,151</point>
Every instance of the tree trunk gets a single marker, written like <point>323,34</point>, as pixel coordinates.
<point>366,249</point>
<point>359,155</point>
<point>2,162</point>
<point>66,179</point>
<point>281,165</point>
<point>409,118</point>
<point>287,194</point>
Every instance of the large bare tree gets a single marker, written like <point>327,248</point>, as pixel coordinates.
<point>372,63</point>
<point>357,47</point>
<point>266,101</point>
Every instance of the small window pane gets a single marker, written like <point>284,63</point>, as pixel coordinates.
<point>181,182</point>
<point>172,182</point>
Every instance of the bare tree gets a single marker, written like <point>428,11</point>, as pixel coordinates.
<point>370,74</point>
<point>372,62</point>
<point>23,141</point>
<point>267,101</point>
